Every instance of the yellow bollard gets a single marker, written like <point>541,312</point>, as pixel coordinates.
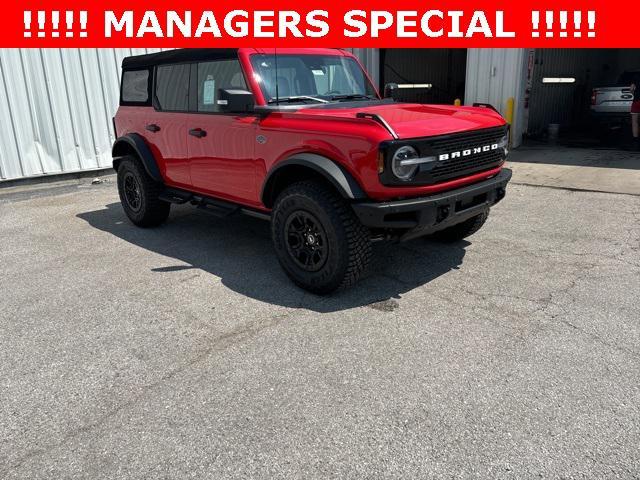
<point>509,112</point>
<point>509,115</point>
<point>457,102</point>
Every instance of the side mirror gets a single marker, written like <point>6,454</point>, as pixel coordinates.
<point>236,101</point>
<point>390,90</point>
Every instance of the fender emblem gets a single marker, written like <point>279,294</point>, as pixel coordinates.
<point>261,139</point>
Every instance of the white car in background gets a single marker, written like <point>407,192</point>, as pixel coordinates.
<point>614,102</point>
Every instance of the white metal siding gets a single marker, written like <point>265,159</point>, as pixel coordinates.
<point>370,59</point>
<point>56,107</point>
<point>494,75</point>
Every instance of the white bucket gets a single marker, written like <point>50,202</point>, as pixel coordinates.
<point>553,132</point>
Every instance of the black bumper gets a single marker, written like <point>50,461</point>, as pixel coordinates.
<point>421,216</point>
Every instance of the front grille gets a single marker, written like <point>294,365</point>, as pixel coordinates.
<point>451,168</point>
<point>462,166</point>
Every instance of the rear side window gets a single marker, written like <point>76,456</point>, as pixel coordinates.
<point>135,87</point>
<point>172,87</point>
<point>216,75</point>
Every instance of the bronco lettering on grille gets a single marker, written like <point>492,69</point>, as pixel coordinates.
<point>468,152</point>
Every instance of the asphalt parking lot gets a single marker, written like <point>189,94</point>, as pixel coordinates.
<point>184,352</point>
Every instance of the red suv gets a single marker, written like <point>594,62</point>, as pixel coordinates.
<point>301,137</point>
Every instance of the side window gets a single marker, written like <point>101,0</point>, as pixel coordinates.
<point>135,86</point>
<point>216,75</point>
<point>172,87</point>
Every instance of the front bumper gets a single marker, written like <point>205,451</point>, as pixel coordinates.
<point>415,217</point>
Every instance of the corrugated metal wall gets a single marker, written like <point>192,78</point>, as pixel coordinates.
<point>56,107</point>
<point>370,59</point>
<point>494,75</point>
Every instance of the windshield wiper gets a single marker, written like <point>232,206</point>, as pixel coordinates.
<point>352,96</point>
<point>296,98</point>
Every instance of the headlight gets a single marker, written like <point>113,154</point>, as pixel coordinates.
<point>504,143</point>
<point>403,164</point>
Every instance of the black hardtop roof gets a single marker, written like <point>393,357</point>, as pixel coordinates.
<point>177,56</point>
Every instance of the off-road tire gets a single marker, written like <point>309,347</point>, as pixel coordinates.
<point>462,230</point>
<point>347,241</point>
<point>148,210</point>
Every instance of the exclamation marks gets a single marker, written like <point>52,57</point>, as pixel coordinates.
<point>591,20</point>
<point>577,20</point>
<point>42,18</point>
<point>563,16</point>
<point>535,23</point>
<point>563,24</point>
<point>68,17</point>
<point>55,21</point>
<point>27,24</point>
<point>549,22</point>
<point>83,24</point>
<point>53,30</point>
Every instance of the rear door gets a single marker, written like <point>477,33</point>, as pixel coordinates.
<point>164,132</point>
<point>220,145</point>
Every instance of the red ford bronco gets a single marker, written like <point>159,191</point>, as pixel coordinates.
<point>302,137</point>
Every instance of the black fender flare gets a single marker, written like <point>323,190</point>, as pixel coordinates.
<point>134,142</point>
<point>335,174</point>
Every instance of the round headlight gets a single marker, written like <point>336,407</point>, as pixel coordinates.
<point>401,163</point>
<point>504,144</point>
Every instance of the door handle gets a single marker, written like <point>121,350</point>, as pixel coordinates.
<point>197,132</point>
<point>152,127</point>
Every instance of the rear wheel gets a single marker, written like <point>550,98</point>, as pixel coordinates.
<point>462,230</point>
<point>139,194</point>
<point>320,243</point>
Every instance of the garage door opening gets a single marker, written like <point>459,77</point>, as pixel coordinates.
<point>443,70</point>
<point>562,100</point>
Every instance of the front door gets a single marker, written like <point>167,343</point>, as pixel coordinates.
<point>220,145</point>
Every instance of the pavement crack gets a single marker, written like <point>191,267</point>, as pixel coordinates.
<point>218,344</point>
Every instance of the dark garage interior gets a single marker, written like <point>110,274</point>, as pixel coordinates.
<point>559,92</point>
<point>443,68</point>
<point>565,97</point>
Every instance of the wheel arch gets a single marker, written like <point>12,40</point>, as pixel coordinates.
<point>304,166</point>
<point>134,144</point>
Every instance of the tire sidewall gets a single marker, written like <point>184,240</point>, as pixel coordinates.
<point>330,275</point>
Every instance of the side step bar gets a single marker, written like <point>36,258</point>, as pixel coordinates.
<point>217,207</point>
<point>175,196</point>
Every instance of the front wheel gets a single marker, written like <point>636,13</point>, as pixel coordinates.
<point>320,243</point>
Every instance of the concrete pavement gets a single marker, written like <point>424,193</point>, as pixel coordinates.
<point>596,170</point>
<point>184,351</point>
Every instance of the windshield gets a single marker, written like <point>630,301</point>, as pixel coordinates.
<point>311,78</point>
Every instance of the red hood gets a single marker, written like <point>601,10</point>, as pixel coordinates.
<point>411,120</point>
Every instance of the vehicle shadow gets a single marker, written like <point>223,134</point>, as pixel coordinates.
<point>238,250</point>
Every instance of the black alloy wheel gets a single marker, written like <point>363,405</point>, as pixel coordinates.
<point>306,241</point>
<point>132,192</point>
<point>140,195</point>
